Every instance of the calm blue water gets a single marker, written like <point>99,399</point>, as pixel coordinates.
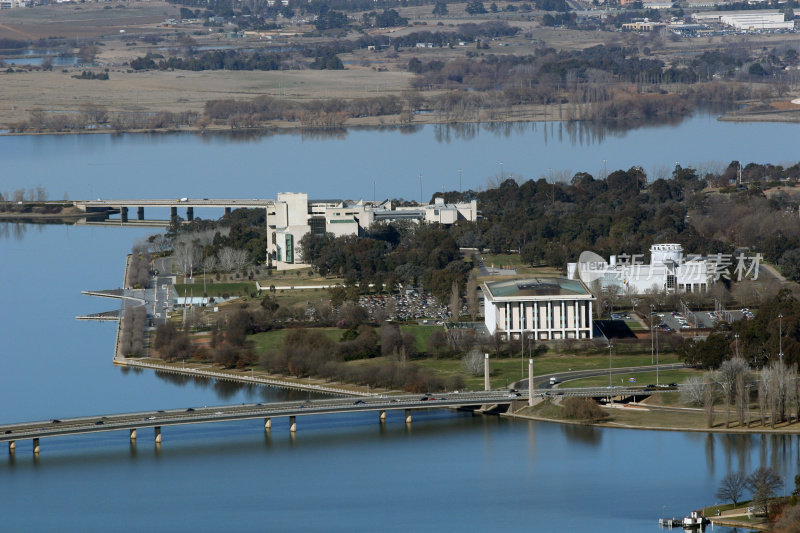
<point>447,471</point>
<point>325,166</point>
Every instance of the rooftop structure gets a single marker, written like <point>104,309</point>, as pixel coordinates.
<point>293,215</point>
<point>667,271</point>
<point>544,308</point>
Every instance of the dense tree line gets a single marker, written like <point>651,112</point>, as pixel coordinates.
<point>139,267</point>
<point>132,331</point>
<point>312,353</point>
<point>214,60</point>
<point>389,255</point>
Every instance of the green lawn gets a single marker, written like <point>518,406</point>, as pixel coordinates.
<point>272,340</point>
<point>421,333</point>
<point>642,378</point>
<point>507,370</point>
<point>215,289</point>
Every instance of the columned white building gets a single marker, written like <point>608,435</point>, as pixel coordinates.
<point>547,308</point>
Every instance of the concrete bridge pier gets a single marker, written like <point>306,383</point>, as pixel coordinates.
<point>173,213</point>
<point>486,383</point>
<point>293,424</point>
<point>408,416</point>
<point>382,416</point>
<point>530,382</point>
<point>227,210</point>
<point>35,446</point>
<point>190,213</point>
<point>157,430</point>
<point>123,214</point>
<point>140,213</point>
<point>267,424</point>
<point>133,435</point>
<point>12,446</point>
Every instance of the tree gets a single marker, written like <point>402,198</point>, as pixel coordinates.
<point>455,302</point>
<point>475,7</point>
<point>437,342</point>
<point>472,298</point>
<point>764,483</point>
<point>732,486</point>
<point>473,362</point>
<point>440,9</point>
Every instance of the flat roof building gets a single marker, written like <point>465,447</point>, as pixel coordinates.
<point>293,216</point>
<point>546,307</point>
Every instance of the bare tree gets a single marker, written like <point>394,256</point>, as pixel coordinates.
<point>708,402</point>
<point>728,377</point>
<point>732,486</point>
<point>240,259</point>
<point>473,362</point>
<point>187,255</point>
<point>693,391</point>
<point>764,483</point>
<point>160,242</point>
<point>231,259</point>
<point>455,303</point>
<point>472,297</point>
<point>210,263</point>
<point>763,387</point>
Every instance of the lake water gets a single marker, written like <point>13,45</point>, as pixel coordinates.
<point>346,164</point>
<point>447,471</point>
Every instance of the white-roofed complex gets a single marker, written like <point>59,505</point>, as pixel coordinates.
<point>293,216</point>
<point>668,271</point>
<point>548,308</point>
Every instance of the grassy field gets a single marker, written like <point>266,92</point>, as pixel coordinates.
<point>642,378</point>
<point>506,371</point>
<point>271,340</point>
<point>216,289</point>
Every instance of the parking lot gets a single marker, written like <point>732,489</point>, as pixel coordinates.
<point>407,306</point>
<point>675,321</point>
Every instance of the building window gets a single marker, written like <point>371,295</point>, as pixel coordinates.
<point>670,281</point>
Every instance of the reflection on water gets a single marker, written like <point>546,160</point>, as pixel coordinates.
<point>590,435</point>
<point>16,230</point>
<point>226,390</point>
<point>579,133</point>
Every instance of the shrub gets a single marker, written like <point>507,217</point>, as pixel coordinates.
<point>583,409</point>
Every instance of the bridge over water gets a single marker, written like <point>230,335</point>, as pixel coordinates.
<point>133,422</point>
<point>122,206</point>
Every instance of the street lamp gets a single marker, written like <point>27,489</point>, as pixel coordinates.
<point>780,337</point>
<point>652,314</point>
<point>610,393</point>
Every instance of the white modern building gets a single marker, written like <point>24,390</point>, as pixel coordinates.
<point>292,216</point>
<point>667,271</point>
<point>547,308</point>
<point>762,19</point>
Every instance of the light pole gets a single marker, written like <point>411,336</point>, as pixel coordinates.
<point>780,337</point>
<point>656,356</point>
<point>610,392</point>
<point>652,314</point>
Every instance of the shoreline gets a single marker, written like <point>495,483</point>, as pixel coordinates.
<point>613,425</point>
<point>524,115</point>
